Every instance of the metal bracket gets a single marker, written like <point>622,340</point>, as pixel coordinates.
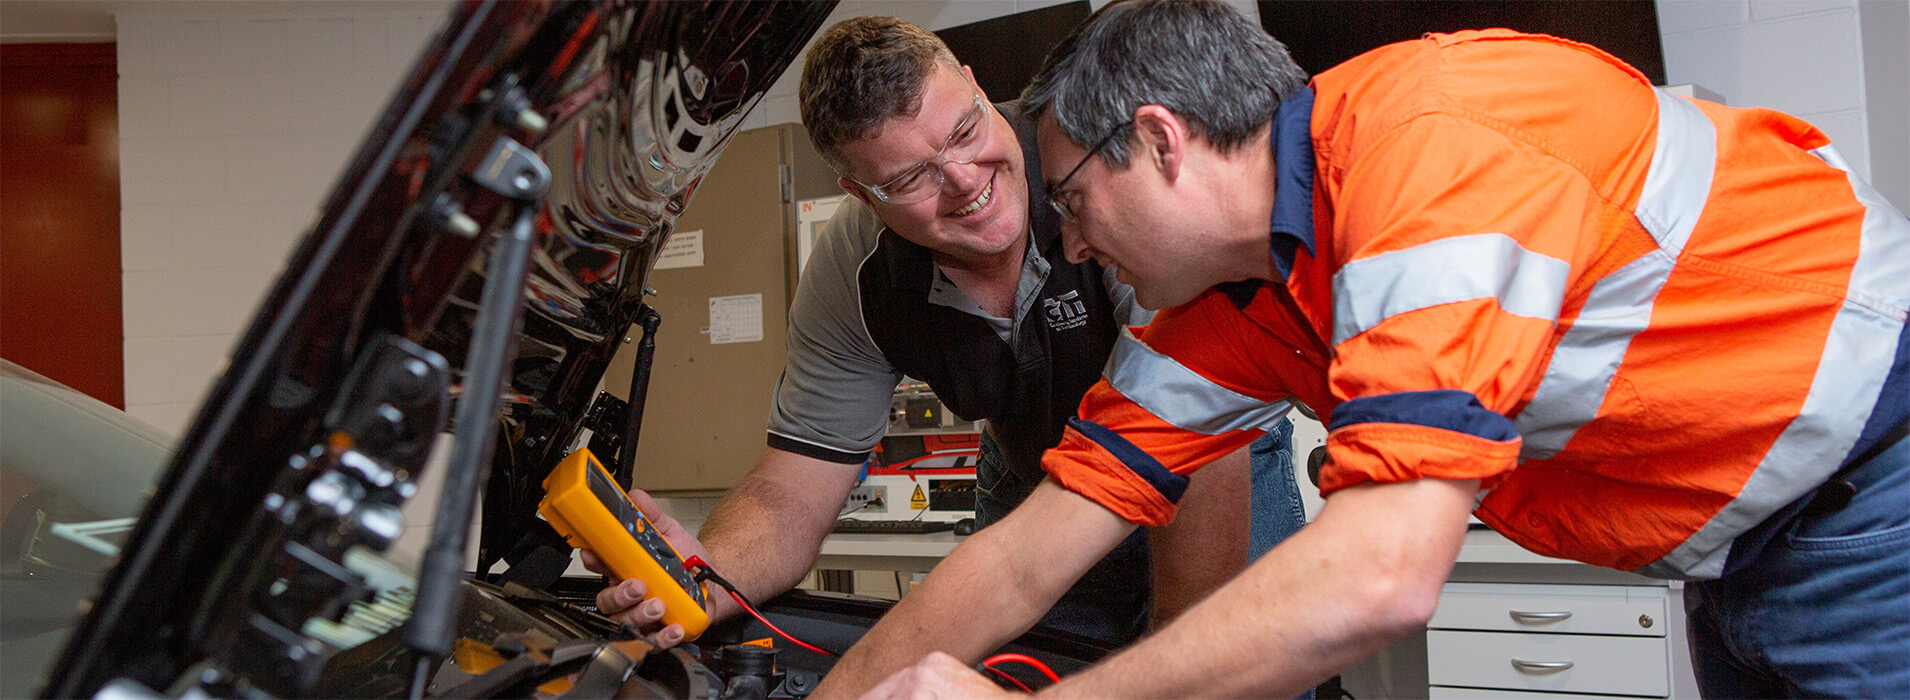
<point>514,171</point>
<point>606,420</point>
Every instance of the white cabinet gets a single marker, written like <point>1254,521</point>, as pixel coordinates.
<point>1560,609</point>
<point>1510,639</point>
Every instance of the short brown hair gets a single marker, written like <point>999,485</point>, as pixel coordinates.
<point>862,72</point>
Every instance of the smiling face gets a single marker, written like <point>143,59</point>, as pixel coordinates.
<point>981,210</point>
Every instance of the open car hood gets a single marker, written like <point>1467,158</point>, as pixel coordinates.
<point>517,187</point>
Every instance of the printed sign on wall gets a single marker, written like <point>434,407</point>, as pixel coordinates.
<point>683,249</point>
<point>736,319</point>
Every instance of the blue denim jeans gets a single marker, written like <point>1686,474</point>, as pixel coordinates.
<point>1110,602</point>
<point>1823,610</point>
<point>1277,510</point>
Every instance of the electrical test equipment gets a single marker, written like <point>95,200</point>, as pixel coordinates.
<point>585,506</point>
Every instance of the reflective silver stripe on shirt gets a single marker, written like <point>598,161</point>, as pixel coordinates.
<point>1180,396</point>
<point>1679,181</point>
<point>1480,266</point>
<point>1619,306</point>
<point>1850,374</point>
<point>1881,277</point>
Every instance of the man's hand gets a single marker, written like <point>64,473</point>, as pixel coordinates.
<point>628,601</point>
<point>763,537</point>
<point>937,676</point>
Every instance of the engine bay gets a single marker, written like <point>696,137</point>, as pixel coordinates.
<point>472,272</point>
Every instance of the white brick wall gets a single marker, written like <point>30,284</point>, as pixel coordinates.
<point>1804,57</point>
<point>232,127</point>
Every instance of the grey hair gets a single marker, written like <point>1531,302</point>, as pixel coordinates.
<point>1200,59</point>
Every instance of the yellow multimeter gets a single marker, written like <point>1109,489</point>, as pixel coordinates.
<point>588,508</point>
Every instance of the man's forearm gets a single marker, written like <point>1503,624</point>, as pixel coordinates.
<point>765,534</point>
<point>944,613</point>
<point>1342,588</point>
<point>751,552</point>
<point>993,587</point>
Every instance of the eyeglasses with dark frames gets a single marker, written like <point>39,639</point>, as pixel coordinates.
<point>1061,206</point>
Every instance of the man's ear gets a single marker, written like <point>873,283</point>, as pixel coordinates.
<point>970,74</point>
<point>1161,140</point>
<point>855,190</point>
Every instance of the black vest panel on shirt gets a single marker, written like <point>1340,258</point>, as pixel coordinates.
<point>1065,336</point>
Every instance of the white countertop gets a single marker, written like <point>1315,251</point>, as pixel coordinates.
<point>888,552</point>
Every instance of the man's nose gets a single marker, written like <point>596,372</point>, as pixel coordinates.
<point>1072,243</point>
<point>962,178</point>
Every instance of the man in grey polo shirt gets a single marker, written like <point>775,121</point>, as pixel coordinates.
<point>946,266</point>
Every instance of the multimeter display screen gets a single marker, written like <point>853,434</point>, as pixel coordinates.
<point>606,490</point>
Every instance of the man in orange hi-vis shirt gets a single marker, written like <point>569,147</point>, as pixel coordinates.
<point>1643,332</point>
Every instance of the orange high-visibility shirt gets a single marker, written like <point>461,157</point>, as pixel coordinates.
<point>1645,323</point>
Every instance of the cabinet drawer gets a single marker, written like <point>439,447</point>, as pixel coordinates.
<point>1627,610</point>
<point>1442,693</point>
<point>1568,663</point>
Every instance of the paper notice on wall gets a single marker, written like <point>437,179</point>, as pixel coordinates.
<point>811,214</point>
<point>683,249</point>
<point>736,319</point>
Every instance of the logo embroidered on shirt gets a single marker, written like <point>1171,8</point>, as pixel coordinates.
<point>1065,311</point>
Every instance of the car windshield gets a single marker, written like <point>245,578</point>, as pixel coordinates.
<point>75,474</point>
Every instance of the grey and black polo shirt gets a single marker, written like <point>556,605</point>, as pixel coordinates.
<point>872,307</point>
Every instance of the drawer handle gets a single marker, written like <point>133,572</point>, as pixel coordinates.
<point>1541,666</point>
<point>1533,618</point>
